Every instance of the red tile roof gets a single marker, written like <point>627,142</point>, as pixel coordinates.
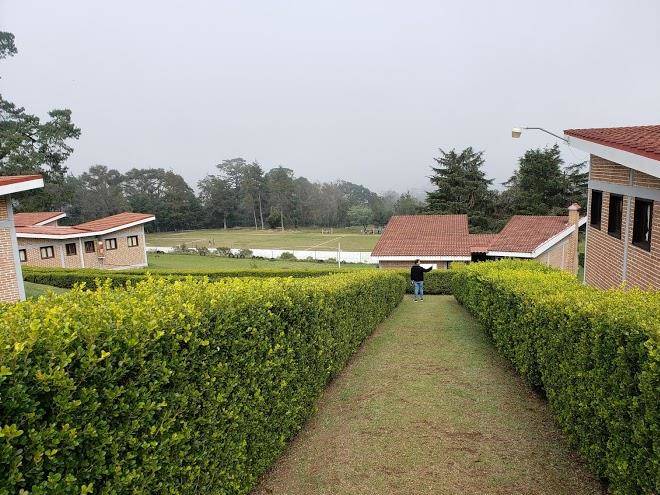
<point>114,221</point>
<point>642,140</point>
<point>447,235</point>
<point>424,235</point>
<point>479,243</point>
<point>49,231</point>
<point>524,233</point>
<point>35,217</point>
<point>5,180</point>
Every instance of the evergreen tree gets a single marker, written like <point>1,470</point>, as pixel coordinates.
<point>461,187</point>
<point>541,186</point>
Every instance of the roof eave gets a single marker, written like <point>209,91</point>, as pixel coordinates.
<point>637,162</point>
<point>25,185</point>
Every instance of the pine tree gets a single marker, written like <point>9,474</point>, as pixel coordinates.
<point>462,188</point>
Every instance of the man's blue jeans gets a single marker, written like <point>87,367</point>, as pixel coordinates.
<point>419,289</point>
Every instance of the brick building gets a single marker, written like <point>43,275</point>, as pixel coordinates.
<point>11,278</point>
<point>623,230</point>
<point>439,240</point>
<point>113,242</point>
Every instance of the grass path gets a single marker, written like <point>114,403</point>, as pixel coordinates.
<point>428,407</point>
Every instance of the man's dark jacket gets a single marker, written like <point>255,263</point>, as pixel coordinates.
<point>417,273</point>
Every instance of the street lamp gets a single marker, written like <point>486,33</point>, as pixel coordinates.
<point>517,131</point>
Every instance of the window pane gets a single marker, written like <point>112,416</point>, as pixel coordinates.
<point>615,215</point>
<point>596,208</point>
<point>643,223</point>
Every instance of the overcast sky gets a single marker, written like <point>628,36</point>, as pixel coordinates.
<point>359,90</point>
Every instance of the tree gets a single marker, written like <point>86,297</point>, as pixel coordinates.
<point>280,185</point>
<point>461,187</point>
<point>540,186</point>
<point>96,193</point>
<point>407,204</point>
<point>360,215</point>
<point>165,194</point>
<point>29,146</point>
<point>217,200</point>
<point>251,189</point>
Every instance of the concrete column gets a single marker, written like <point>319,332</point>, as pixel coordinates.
<point>572,264</point>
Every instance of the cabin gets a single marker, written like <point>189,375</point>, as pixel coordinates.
<point>440,240</point>
<point>114,242</point>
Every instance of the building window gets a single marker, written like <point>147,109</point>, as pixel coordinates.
<point>132,240</point>
<point>111,244</point>
<point>596,208</point>
<point>643,223</point>
<point>47,252</point>
<point>615,216</point>
<point>89,247</point>
<point>22,255</point>
<point>71,249</point>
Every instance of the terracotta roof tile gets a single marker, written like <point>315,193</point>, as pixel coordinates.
<point>5,180</point>
<point>35,217</point>
<point>642,140</point>
<point>424,235</point>
<point>479,243</point>
<point>113,221</point>
<point>45,230</point>
<point>524,233</point>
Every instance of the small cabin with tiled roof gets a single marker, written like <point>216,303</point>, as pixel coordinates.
<point>622,243</point>
<point>113,242</point>
<point>439,240</point>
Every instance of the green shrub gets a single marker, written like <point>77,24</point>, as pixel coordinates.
<point>435,282</point>
<point>594,353</point>
<point>286,255</point>
<point>68,278</point>
<point>172,387</point>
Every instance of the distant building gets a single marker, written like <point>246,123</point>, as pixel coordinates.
<point>113,242</point>
<point>439,240</point>
<point>623,230</point>
<point>11,278</point>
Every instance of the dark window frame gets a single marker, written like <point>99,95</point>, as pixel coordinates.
<point>44,249</point>
<point>22,255</point>
<point>87,246</point>
<point>642,230</point>
<point>111,244</point>
<point>615,216</point>
<point>128,240</point>
<point>596,215</point>
<point>71,252</point>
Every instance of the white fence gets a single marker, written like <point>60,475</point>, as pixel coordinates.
<point>345,256</point>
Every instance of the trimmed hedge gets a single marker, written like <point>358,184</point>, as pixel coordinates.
<point>435,282</point>
<point>596,354</point>
<point>69,278</point>
<point>172,387</point>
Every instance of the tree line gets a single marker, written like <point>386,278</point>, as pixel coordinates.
<point>242,193</point>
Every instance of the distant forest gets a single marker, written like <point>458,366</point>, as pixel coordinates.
<point>241,193</point>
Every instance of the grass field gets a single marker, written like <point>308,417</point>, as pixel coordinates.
<point>304,239</point>
<point>427,406</point>
<point>35,290</point>
<point>197,262</point>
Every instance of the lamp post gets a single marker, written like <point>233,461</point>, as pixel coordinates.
<point>517,131</point>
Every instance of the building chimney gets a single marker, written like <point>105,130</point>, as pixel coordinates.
<point>572,263</point>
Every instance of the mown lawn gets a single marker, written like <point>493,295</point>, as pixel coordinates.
<point>427,406</point>
<point>197,262</point>
<point>35,290</point>
<point>305,239</point>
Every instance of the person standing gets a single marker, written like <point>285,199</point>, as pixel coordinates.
<point>417,278</point>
